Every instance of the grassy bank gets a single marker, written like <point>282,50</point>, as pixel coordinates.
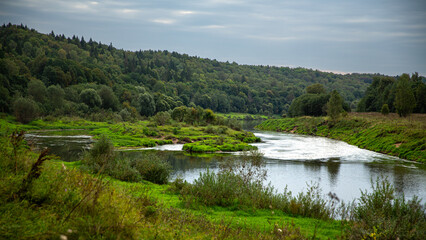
<point>146,133</point>
<point>60,200</point>
<point>401,137</point>
<point>44,198</point>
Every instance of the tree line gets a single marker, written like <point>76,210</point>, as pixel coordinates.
<point>404,95</point>
<point>88,77</point>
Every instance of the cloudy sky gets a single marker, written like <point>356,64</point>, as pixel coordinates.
<point>374,36</point>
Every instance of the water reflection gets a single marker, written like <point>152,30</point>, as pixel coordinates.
<point>333,166</point>
<point>69,148</point>
<point>292,161</point>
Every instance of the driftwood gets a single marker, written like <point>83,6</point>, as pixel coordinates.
<point>34,173</point>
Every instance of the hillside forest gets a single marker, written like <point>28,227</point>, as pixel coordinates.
<point>69,76</point>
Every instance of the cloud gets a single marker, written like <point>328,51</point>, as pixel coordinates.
<point>164,21</point>
<point>213,27</point>
<point>184,12</point>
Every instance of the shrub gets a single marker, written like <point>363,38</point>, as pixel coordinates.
<point>25,110</point>
<point>162,118</point>
<point>153,169</point>
<point>383,214</point>
<point>385,109</point>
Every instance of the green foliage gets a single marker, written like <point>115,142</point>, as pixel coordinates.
<point>219,144</point>
<point>405,93</point>
<point>108,97</point>
<point>239,184</point>
<point>25,110</point>
<point>383,215</point>
<point>171,79</point>
<point>91,98</point>
<point>309,105</point>
<point>102,159</point>
<point>153,169</point>
<point>37,90</point>
<point>334,106</point>
<point>316,88</point>
<point>385,109</point>
<point>55,96</point>
<point>145,104</point>
<point>162,118</point>
<point>405,101</point>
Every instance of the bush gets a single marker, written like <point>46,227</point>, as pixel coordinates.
<point>384,215</point>
<point>385,109</point>
<point>25,110</point>
<point>162,118</point>
<point>153,169</point>
<point>102,158</point>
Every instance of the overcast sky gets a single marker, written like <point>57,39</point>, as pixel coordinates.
<point>373,36</point>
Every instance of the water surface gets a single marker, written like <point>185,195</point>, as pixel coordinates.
<point>291,160</point>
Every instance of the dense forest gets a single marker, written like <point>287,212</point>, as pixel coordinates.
<point>403,95</point>
<point>58,75</point>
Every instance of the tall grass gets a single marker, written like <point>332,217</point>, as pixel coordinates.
<point>239,183</point>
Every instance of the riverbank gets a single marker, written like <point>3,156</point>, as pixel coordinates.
<point>63,201</point>
<point>401,137</point>
<point>69,201</point>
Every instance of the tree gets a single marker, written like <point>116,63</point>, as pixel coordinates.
<point>162,118</point>
<point>25,109</point>
<point>404,99</point>
<point>308,104</point>
<point>55,95</point>
<point>145,104</point>
<point>178,113</point>
<point>316,88</point>
<point>109,99</point>
<point>385,109</point>
<point>334,106</point>
<point>91,98</point>
<point>37,90</point>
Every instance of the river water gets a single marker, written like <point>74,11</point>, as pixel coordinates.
<point>291,160</point>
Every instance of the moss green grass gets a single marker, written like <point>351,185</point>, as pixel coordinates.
<point>143,133</point>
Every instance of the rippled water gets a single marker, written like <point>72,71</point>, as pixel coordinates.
<point>292,161</point>
<point>69,148</point>
<point>297,160</point>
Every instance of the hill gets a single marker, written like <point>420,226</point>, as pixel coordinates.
<point>44,68</point>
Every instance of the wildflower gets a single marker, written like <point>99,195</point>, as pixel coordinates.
<point>63,237</point>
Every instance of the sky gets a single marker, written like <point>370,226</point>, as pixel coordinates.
<point>342,36</point>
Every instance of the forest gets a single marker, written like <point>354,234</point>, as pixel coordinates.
<point>51,74</point>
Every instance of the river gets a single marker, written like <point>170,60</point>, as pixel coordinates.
<point>291,160</point>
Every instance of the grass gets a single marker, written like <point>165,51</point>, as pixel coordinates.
<point>64,201</point>
<point>243,116</point>
<point>142,133</point>
<point>401,137</point>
